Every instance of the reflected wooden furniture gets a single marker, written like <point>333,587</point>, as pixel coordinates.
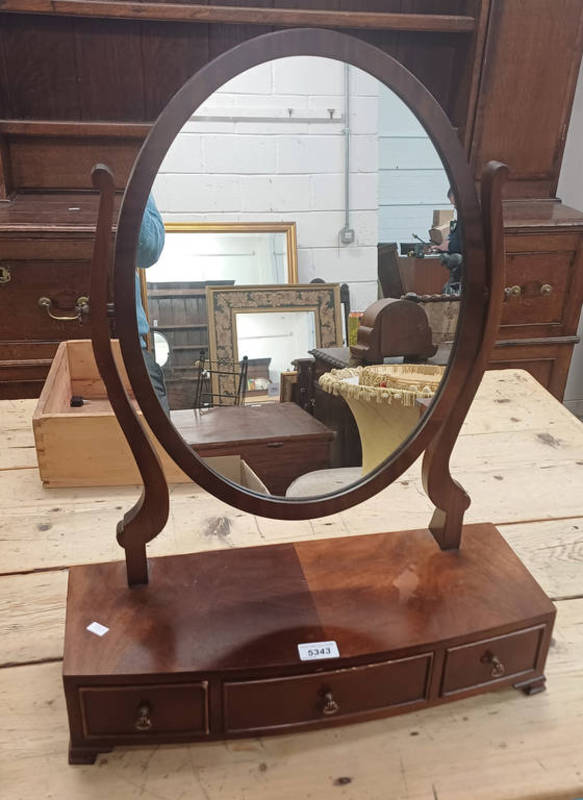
<point>279,441</point>
<point>392,327</point>
<point>422,275</point>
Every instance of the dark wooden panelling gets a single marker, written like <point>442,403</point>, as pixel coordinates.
<point>525,98</point>
<point>5,108</point>
<point>109,64</point>
<point>40,65</point>
<point>5,169</point>
<point>432,60</point>
<point>66,163</point>
<point>224,37</point>
<point>171,54</point>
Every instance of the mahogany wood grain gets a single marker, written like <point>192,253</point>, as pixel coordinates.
<point>6,185</point>
<point>232,619</point>
<point>181,48</point>
<point>117,49</point>
<point>251,15</point>
<point>64,163</point>
<point>76,129</point>
<point>39,55</point>
<point>149,515</point>
<point>506,113</point>
<point>450,499</point>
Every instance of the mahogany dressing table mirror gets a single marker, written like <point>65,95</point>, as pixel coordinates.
<point>291,636</point>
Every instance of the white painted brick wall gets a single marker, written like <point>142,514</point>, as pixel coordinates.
<point>248,171</point>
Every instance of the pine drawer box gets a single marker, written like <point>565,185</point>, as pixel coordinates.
<point>85,446</point>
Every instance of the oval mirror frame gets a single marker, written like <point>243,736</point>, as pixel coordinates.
<point>473,311</point>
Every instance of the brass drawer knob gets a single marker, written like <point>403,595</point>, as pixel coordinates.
<point>330,705</point>
<point>498,668</point>
<point>5,275</point>
<point>144,720</point>
<point>546,288</point>
<point>513,291</point>
<point>81,309</point>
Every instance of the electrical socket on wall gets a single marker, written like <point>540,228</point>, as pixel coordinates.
<point>347,235</point>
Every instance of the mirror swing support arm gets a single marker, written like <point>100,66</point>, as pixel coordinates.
<point>214,645</point>
<point>450,499</point>
<point>144,521</point>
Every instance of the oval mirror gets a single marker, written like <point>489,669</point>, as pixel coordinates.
<point>310,237</point>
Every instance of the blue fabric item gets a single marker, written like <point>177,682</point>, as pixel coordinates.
<point>150,246</point>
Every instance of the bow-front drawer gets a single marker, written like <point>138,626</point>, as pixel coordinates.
<point>139,712</point>
<point>300,700</point>
<point>491,660</point>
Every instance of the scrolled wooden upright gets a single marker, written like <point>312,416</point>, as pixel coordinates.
<point>205,646</point>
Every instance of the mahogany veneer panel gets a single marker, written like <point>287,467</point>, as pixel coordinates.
<point>398,607</point>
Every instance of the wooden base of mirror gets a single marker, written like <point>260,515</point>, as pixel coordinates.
<point>209,649</point>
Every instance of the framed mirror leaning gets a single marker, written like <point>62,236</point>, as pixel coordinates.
<point>352,166</point>
<point>172,290</point>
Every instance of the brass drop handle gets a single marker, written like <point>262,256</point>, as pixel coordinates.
<point>144,720</point>
<point>513,291</point>
<point>330,705</point>
<point>498,668</point>
<point>81,309</point>
<point>546,288</point>
<point>5,275</point>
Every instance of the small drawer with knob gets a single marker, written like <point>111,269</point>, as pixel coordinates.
<point>145,711</point>
<point>491,660</point>
<point>303,700</point>
<point>536,289</point>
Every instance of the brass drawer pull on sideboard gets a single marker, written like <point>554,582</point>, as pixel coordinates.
<point>5,275</point>
<point>546,288</point>
<point>144,720</point>
<point>81,308</point>
<point>330,705</point>
<point>498,668</point>
<point>513,291</point>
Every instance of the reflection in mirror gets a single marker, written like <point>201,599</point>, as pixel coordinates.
<point>161,349</point>
<point>302,171</point>
<point>272,341</point>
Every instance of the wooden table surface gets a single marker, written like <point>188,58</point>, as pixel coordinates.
<point>520,457</point>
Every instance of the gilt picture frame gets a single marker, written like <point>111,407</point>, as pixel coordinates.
<point>225,303</point>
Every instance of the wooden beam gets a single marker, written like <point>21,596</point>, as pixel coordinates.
<point>280,17</point>
<point>122,130</point>
<point>5,170</point>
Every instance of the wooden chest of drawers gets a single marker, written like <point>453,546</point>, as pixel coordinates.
<point>279,441</point>
<point>544,290</point>
<point>46,244</point>
<point>414,626</point>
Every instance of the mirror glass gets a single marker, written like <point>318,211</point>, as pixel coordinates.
<point>300,291</point>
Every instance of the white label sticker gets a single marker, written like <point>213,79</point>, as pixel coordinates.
<point>97,629</point>
<point>313,651</point>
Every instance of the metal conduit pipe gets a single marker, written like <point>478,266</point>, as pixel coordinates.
<point>347,234</point>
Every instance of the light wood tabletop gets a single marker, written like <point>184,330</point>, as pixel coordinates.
<point>520,457</point>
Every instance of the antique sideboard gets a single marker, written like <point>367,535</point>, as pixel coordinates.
<point>81,83</point>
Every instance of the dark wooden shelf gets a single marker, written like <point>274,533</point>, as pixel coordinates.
<point>281,17</point>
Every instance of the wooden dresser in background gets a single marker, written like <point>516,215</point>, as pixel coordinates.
<point>82,82</point>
